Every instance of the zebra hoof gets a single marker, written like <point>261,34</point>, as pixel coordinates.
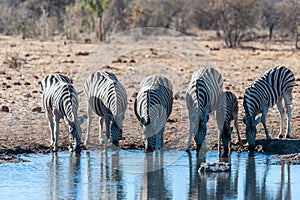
<point>188,152</point>
<point>288,137</point>
<point>77,150</point>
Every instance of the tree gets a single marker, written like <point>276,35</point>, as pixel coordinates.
<point>97,7</point>
<point>235,18</point>
<point>270,15</point>
<point>289,11</point>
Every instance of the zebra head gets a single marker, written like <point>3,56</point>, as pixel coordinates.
<point>226,137</point>
<point>251,123</point>
<point>76,131</point>
<point>116,133</point>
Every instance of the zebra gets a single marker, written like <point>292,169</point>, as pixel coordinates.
<point>227,111</point>
<point>152,107</point>
<point>107,97</point>
<point>202,97</point>
<point>268,90</point>
<point>59,99</point>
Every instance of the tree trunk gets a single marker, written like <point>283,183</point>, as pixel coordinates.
<point>101,29</point>
<point>271,27</point>
<point>297,40</point>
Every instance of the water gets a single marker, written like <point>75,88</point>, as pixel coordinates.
<point>130,174</point>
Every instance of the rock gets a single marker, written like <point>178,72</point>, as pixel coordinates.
<point>278,146</point>
<point>82,53</point>
<point>4,109</point>
<point>37,109</point>
<point>27,95</point>
<point>132,61</point>
<point>17,83</point>
<point>214,167</point>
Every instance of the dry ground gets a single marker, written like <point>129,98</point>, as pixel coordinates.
<point>24,127</point>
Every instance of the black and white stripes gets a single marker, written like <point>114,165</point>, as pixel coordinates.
<point>202,97</point>
<point>153,106</point>
<point>107,97</point>
<point>269,89</point>
<point>227,111</point>
<point>60,100</point>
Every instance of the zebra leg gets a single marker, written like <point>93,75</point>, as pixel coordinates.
<point>70,137</point>
<point>236,125</point>
<point>157,142</point>
<point>281,111</point>
<point>287,101</point>
<point>107,133</point>
<point>89,122</point>
<point>51,127</point>
<point>219,143</point>
<point>189,143</point>
<point>263,120</point>
<point>101,136</point>
<point>146,144</point>
<point>193,129</point>
<point>56,130</point>
<point>160,139</point>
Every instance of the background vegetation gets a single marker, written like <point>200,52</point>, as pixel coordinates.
<point>233,20</point>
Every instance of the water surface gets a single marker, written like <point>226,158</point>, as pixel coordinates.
<point>132,174</point>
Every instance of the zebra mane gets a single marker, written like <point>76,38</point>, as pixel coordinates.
<point>110,76</point>
<point>144,121</point>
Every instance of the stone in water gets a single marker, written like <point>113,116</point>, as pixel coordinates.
<point>215,167</point>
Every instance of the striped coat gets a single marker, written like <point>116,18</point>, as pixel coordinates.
<point>269,89</point>
<point>202,96</point>
<point>60,100</point>
<point>153,106</point>
<point>227,111</point>
<point>107,97</point>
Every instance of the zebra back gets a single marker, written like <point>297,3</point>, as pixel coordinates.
<point>155,99</point>
<point>227,108</point>
<point>106,95</point>
<point>52,80</point>
<point>204,90</point>
<point>65,99</point>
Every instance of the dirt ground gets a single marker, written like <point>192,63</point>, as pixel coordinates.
<point>24,62</point>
